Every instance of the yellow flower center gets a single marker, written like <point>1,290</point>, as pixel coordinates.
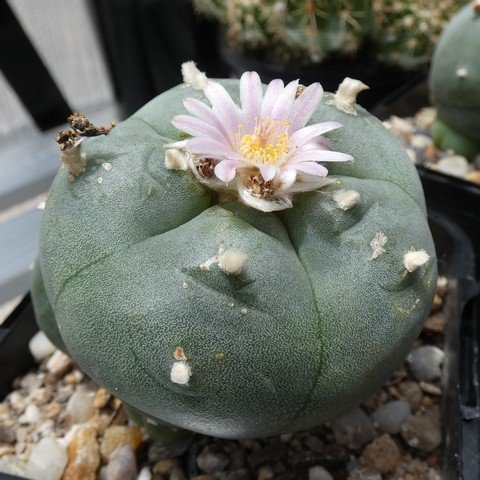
<point>267,144</point>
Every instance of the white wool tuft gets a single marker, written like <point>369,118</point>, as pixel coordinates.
<point>346,199</point>
<point>415,259</point>
<point>180,373</point>
<point>193,77</point>
<point>346,97</point>
<point>232,261</point>
<point>175,159</point>
<point>462,72</point>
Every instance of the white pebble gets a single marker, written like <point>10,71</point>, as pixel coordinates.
<point>31,415</point>
<point>145,474</point>
<point>47,461</point>
<point>180,373</point>
<point>454,165</point>
<point>390,417</point>
<point>415,259</point>
<point>346,199</point>
<point>319,473</point>
<point>40,346</point>
<point>59,363</point>
<point>80,405</point>
<point>425,362</point>
<point>232,261</point>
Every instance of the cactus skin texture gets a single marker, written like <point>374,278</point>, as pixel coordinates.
<point>397,32</point>
<point>312,326</point>
<point>455,84</point>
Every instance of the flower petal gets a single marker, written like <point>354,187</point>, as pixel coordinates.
<point>225,170</point>
<point>288,176</point>
<point>274,89</point>
<point>228,113</point>
<point>320,143</point>
<point>318,156</point>
<point>251,97</point>
<point>305,105</point>
<point>306,134</point>
<point>308,183</point>
<point>202,111</point>
<point>280,202</point>
<point>312,168</point>
<point>283,105</point>
<point>198,128</point>
<point>268,171</point>
<point>209,147</point>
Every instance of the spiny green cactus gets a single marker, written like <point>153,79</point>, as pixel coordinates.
<point>311,312</point>
<point>455,84</point>
<point>406,31</point>
<point>401,33</point>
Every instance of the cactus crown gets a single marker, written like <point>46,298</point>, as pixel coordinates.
<point>402,33</point>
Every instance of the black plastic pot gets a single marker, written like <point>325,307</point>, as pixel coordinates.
<point>461,405</point>
<point>383,80</point>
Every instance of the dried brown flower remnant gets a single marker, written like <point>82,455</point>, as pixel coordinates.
<point>300,90</point>
<point>82,126</point>
<point>206,167</point>
<point>258,187</point>
<point>66,139</point>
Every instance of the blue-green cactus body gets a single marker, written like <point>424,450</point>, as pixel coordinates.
<point>455,83</point>
<point>312,325</point>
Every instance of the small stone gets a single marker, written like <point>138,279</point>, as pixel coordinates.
<point>7,435</point>
<point>59,364</point>
<point>73,378</point>
<point>319,473</point>
<point>80,405</point>
<point>32,381</point>
<point>422,432</point>
<point>474,177</point>
<point>160,450</point>
<point>31,415</point>
<point>425,362</point>
<point>40,346</point>
<point>6,450</point>
<point>381,455</point>
<point>211,460</point>
<point>454,165</point>
<point>421,141</point>
<point>430,389</point>
<point>47,460</point>
<point>411,393</point>
<point>286,437</point>
<point>145,474</point>
<point>52,410</point>
<point>117,436</point>
<point>365,474</point>
<point>122,465</point>
<point>83,455</point>
<point>12,465</point>
<point>389,417</point>
<point>17,401</point>
<point>354,429</point>
<point>165,466</point>
<point>425,118</point>
<point>435,323</point>
<point>101,398</point>
<point>41,396</point>
<point>265,473</point>
<point>177,474</point>
<point>315,444</point>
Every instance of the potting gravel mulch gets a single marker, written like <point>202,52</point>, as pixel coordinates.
<point>58,424</point>
<point>415,133</point>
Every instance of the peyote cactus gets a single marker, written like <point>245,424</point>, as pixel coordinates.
<point>171,284</point>
<point>401,33</point>
<point>455,84</point>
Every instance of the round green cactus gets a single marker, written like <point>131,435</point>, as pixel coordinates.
<point>323,302</point>
<point>455,83</point>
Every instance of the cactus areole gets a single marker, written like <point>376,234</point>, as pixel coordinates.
<point>237,259</point>
<point>455,83</point>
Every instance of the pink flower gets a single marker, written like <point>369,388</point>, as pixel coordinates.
<point>263,150</point>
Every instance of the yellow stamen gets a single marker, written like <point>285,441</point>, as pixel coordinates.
<point>267,144</point>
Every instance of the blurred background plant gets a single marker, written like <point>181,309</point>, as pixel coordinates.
<point>306,32</point>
